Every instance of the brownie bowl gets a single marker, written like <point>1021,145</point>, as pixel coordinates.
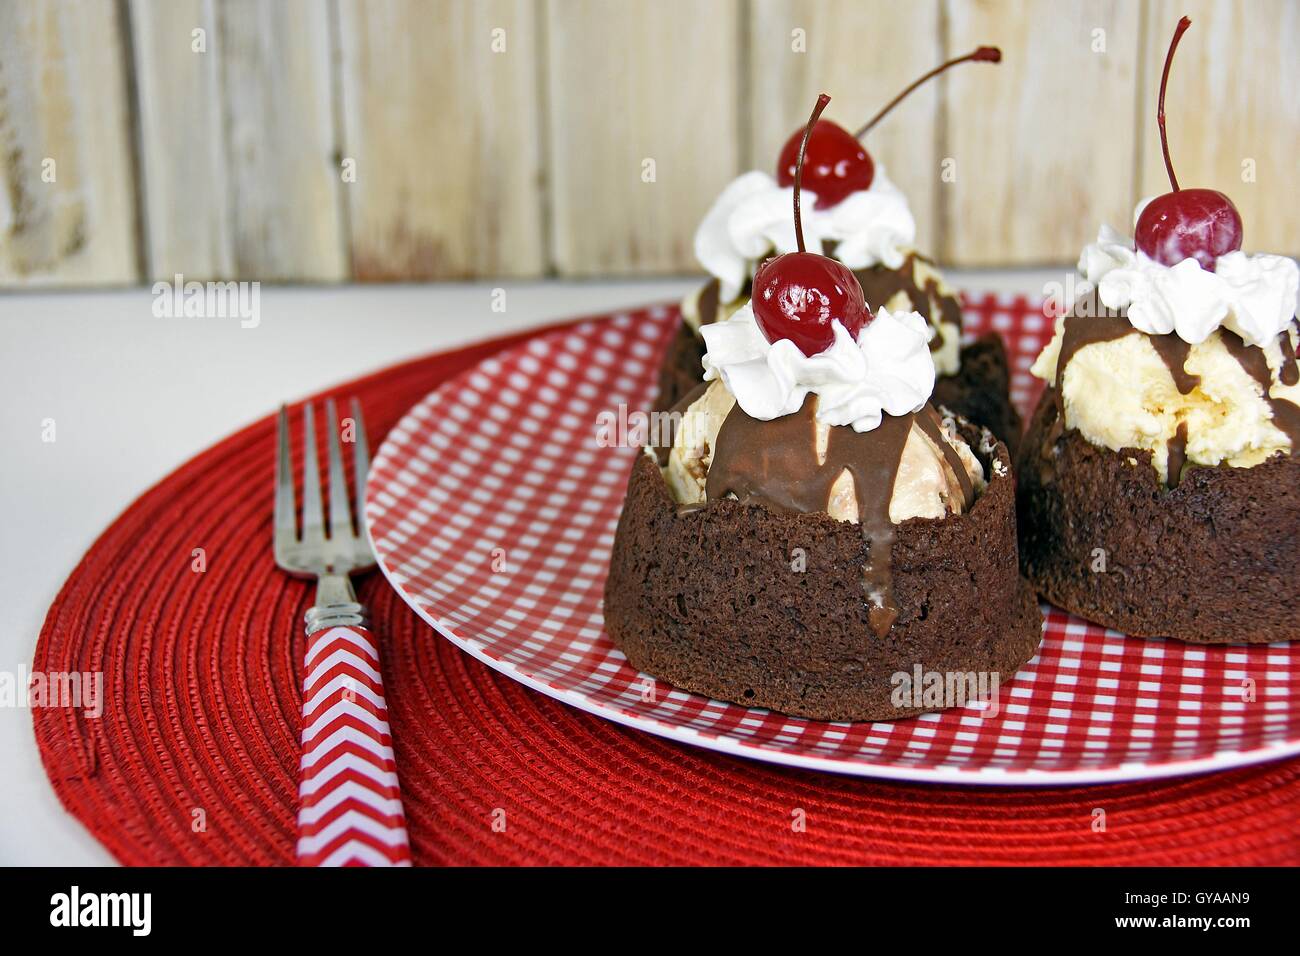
<point>743,603</point>
<point>1212,561</point>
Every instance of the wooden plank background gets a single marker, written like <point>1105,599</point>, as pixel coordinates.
<point>446,136</point>
<point>643,128</point>
<point>68,197</point>
<point>394,140</point>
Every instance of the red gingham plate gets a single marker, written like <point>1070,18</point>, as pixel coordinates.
<point>492,509</point>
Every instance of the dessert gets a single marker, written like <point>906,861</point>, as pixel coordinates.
<point>816,527</point>
<point>859,217</point>
<point>1159,483</point>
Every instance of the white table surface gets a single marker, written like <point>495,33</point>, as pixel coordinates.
<point>134,396</point>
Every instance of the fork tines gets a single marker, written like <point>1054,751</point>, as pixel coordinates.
<point>341,544</point>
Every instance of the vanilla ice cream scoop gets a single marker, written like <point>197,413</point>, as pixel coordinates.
<point>926,484</point>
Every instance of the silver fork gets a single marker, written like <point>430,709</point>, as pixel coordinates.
<point>350,808</point>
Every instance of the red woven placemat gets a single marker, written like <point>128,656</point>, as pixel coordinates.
<point>195,757</point>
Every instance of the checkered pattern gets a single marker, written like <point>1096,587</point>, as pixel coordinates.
<point>493,510</point>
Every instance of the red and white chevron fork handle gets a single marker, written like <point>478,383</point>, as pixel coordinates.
<point>350,808</point>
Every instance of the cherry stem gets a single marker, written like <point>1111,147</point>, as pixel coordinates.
<point>1179,30</point>
<point>984,54</point>
<point>822,100</point>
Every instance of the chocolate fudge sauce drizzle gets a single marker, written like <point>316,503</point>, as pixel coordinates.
<point>1100,324</point>
<point>1080,332</point>
<point>1286,415</point>
<point>1176,449</point>
<point>774,463</point>
<point>930,423</point>
<point>1103,326</point>
<point>1173,351</point>
<point>1289,373</point>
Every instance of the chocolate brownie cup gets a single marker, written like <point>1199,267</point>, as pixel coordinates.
<point>764,607</point>
<point>1211,561</point>
<point>816,536</point>
<point>1159,481</point>
<point>1159,488</point>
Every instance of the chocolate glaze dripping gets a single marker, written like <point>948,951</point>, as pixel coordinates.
<point>873,458</point>
<point>1286,416</point>
<point>1177,452</point>
<point>932,425</point>
<point>774,463</point>
<point>1173,351</point>
<point>949,305</point>
<point>1101,324</point>
<point>1251,358</point>
<point>1097,324</point>
<point>1289,373</point>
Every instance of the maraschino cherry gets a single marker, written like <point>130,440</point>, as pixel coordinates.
<point>837,163</point>
<point>798,295</point>
<point>1200,224</point>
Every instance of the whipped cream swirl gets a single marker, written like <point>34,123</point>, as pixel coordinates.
<point>1254,296</point>
<point>752,219</point>
<point>887,369</point>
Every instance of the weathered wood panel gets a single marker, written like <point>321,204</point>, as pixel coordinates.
<point>1232,110</point>
<point>644,109</point>
<point>285,201</point>
<point>1041,146</point>
<point>183,158</point>
<point>67,191</point>
<point>442,118</point>
<point>799,48</point>
<point>322,140</point>
<point>237,143</point>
